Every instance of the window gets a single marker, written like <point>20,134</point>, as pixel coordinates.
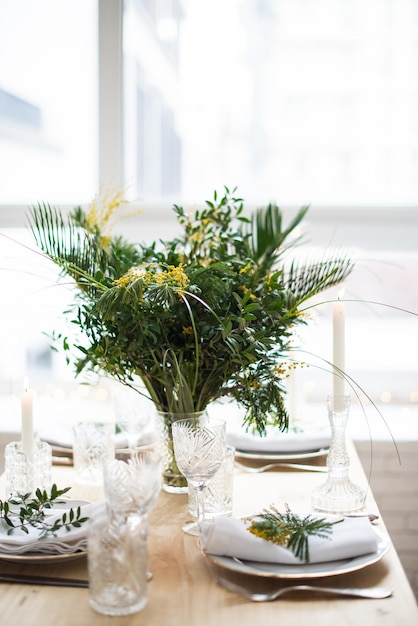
<point>294,101</point>
<point>48,101</point>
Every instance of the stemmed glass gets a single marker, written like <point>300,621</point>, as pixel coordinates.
<point>118,534</point>
<point>132,484</point>
<point>131,415</point>
<point>199,448</point>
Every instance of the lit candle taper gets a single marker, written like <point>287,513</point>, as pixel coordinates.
<point>27,419</point>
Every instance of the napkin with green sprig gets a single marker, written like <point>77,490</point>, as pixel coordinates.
<point>33,524</point>
<point>289,538</point>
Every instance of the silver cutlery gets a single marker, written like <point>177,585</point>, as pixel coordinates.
<point>62,460</point>
<point>372,593</point>
<point>264,468</point>
<point>25,579</point>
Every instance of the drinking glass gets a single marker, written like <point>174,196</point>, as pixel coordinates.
<point>117,563</point>
<point>199,448</point>
<point>117,545</point>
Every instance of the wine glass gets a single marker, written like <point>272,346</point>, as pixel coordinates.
<point>131,414</point>
<point>199,449</point>
<point>132,483</point>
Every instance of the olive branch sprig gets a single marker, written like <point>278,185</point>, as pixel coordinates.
<point>290,530</point>
<point>32,512</point>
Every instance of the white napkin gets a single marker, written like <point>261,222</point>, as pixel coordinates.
<point>227,536</point>
<point>65,542</point>
<point>276,441</point>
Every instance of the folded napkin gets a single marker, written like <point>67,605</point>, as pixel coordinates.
<point>227,536</point>
<point>65,541</point>
<point>276,441</point>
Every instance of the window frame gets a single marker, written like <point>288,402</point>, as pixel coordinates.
<point>379,232</point>
<point>387,228</point>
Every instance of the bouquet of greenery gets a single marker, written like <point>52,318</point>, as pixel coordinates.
<point>206,315</point>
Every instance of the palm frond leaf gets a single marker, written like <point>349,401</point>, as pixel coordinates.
<point>73,249</point>
<point>267,235</point>
<point>309,279</point>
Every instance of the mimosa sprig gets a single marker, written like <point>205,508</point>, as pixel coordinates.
<point>291,530</point>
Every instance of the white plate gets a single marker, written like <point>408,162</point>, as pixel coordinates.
<point>280,456</point>
<point>39,557</point>
<point>307,570</point>
<point>43,557</point>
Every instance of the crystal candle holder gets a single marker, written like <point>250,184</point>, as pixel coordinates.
<point>338,494</point>
<point>27,470</point>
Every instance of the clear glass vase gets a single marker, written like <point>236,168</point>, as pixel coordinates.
<point>173,479</point>
<point>338,494</point>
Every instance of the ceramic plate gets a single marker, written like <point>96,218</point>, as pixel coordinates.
<point>280,456</point>
<point>307,570</point>
<point>42,557</point>
<point>39,557</point>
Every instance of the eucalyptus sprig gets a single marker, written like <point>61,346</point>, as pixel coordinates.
<point>31,512</point>
<point>291,530</point>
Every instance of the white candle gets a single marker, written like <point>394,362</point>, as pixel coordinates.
<point>338,318</point>
<point>27,420</point>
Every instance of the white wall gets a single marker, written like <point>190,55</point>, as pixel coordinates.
<point>395,487</point>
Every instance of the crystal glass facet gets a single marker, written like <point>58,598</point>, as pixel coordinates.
<point>338,494</point>
<point>118,537</point>
<point>26,471</point>
<point>132,482</point>
<point>173,480</point>
<point>93,447</point>
<point>117,563</point>
<point>199,448</point>
<point>219,492</point>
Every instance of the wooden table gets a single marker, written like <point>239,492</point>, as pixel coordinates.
<point>184,591</point>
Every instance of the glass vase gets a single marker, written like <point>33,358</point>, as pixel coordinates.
<point>173,480</point>
<point>338,494</point>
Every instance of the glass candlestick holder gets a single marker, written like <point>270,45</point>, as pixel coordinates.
<point>27,470</point>
<point>338,494</point>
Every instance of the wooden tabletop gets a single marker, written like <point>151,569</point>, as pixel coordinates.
<point>184,591</point>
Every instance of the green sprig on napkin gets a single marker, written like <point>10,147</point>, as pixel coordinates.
<point>290,530</point>
<point>24,510</point>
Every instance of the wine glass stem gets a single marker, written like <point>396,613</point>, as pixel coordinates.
<point>132,439</point>
<point>200,503</point>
